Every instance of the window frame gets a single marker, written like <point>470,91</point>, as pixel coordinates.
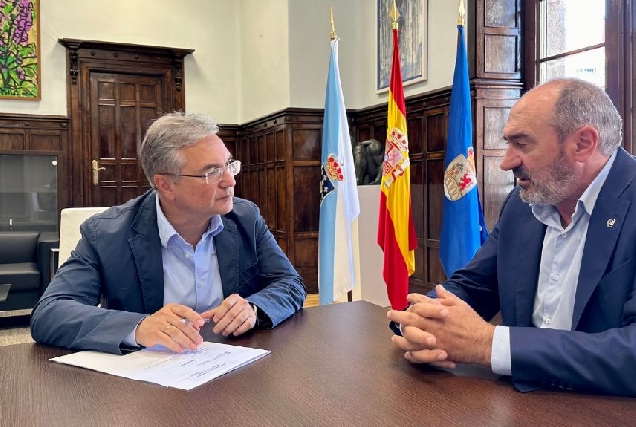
<point>619,56</point>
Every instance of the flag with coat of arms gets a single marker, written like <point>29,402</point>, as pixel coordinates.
<point>396,231</point>
<point>463,226</point>
<point>338,271</point>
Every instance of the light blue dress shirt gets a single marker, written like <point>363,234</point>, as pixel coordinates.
<point>558,270</point>
<point>191,276</point>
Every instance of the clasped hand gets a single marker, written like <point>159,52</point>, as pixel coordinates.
<point>442,331</point>
<point>177,327</point>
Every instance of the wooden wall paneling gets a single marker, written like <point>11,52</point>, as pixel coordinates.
<point>229,134</point>
<point>494,45</point>
<point>492,106</point>
<point>282,175</point>
<point>436,122</point>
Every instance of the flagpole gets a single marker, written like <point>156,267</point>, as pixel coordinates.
<point>394,14</point>
<point>338,242</point>
<point>332,34</point>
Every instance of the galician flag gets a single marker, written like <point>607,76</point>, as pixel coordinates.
<point>339,205</point>
<point>396,233</point>
<point>463,226</point>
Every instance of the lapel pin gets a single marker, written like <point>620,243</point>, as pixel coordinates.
<point>611,222</point>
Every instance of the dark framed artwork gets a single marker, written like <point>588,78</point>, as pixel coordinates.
<point>20,49</point>
<point>413,39</point>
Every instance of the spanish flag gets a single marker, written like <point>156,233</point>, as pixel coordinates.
<point>396,233</point>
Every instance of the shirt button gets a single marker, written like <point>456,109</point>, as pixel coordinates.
<point>555,277</point>
<point>187,255</point>
<point>564,235</point>
<point>548,320</point>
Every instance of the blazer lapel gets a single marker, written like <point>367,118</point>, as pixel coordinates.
<point>603,231</point>
<point>146,250</point>
<point>526,271</point>
<point>226,244</point>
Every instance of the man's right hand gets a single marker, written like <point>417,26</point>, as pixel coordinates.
<point>168,328</point>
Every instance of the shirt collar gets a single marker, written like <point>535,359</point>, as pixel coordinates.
<point>587,199</point>
<point>166,230</point>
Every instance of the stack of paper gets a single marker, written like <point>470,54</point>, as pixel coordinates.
<point>179,370</point>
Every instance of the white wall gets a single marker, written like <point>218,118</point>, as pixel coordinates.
<point>355,24</point>
<point>264,58</point>
<point>373,288</point>
<point>208,26</point>
<point>252,57</point>
<point>309,49</point>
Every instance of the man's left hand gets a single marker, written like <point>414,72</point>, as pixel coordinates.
<point>234,316</point>
<point>462,334</point>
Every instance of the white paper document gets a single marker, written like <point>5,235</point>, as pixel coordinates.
<point>164,367</point>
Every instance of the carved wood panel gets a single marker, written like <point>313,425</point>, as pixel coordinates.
<point>281,174</point>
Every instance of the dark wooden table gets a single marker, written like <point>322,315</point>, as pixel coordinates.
<point>329,366</point>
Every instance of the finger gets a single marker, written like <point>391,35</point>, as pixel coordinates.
<point>185,341</point>
<point>167,341</point>
<point>229,316</point>
<point>419,336</point>
<point>406,345</point>
<point>417,314</point>
<point>240,318</point>
<point>429,311</point>
<point>441,292</point>
<point>184,312</point>
<point>246,326</point>
<point>403,317</point>
<point>425,356</point>
<point>226,305</point>
<point>415,298</point>
<point>188,335</point>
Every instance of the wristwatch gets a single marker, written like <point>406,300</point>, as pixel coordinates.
<point>262,319</point>
<point>256,313</point>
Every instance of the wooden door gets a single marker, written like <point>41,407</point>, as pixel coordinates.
<point>114,91</point>
<point>122,106</point>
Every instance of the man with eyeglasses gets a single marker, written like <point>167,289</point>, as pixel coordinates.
<point>184,253</point>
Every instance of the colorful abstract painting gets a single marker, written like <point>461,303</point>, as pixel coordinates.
<point>19,49</point>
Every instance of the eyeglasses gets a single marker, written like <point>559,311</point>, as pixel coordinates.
<point>215,174</point>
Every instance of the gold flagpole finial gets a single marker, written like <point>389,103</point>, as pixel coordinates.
<point>462,13</point>
<point>332,35</point>
<point>394,14</point>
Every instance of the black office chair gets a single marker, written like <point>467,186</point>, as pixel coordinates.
<point>25,260</point>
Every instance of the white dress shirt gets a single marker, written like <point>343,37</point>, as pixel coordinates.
<point>558,271</point>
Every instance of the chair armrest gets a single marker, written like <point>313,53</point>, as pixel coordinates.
<point>46,242</point>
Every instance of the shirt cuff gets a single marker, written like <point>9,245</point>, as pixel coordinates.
<point>500,360</point>
<point>129,340</point>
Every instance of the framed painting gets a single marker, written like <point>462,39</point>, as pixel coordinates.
<point>413,40</point>
<point>20,49</point>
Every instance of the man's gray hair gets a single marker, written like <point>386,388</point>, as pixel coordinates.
<point>159,152</point>
<point>581,103</point>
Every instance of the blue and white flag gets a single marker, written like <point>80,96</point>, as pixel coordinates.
<point>463,226</point>
<point>339,204</point>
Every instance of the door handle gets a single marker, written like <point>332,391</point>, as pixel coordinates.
<point>96,170</point>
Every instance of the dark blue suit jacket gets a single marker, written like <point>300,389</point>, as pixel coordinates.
<point>118,263</point>
<point>599,353</point>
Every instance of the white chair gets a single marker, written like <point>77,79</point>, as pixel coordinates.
<point>70,221</point>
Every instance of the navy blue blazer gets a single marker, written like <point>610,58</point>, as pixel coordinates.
<point>118,263</point>
<point>599,353</point>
